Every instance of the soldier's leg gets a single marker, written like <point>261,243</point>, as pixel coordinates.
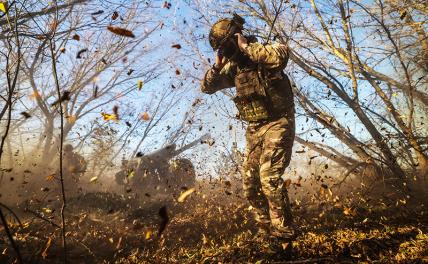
<point>276,155</point>
<point>251,181</point>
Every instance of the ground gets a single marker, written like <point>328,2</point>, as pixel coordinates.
<point>214,225</point>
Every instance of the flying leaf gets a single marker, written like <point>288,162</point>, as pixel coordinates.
<point>286,183</point>
<point>121,31</point>
<point>108,117</point>
<point>177,46</point>
<point>403,14</point>
<point>115,15</point>
<point>148,234</point>
<point>50,177</point>
<point>166,5</point>
<point>26,115</point>
<point>80,52</point>
<point>64,97</point>
<point>99,12</point>
<point>145,116</point>
<point>53,25</point>
<point>34,95</point>
<point>3,7</point>
<point>71,119</point>
<point>185,194</point>
<point>116,111</point>
<point>131,174</point>
<point>140,85</point>
<point>93,179</point>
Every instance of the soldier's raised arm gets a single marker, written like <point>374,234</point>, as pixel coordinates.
<point>216,80</point>
<point>270,55</point>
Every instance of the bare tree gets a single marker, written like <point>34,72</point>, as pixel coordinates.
<point>354,63</point>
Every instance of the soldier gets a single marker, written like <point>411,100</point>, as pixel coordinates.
<point>121,177</point>
<point>74,167</point>
<point>265,100</point>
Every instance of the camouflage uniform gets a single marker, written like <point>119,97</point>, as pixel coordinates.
<point>264,99</point>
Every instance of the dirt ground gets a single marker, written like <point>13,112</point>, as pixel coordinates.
<point>214,225</point>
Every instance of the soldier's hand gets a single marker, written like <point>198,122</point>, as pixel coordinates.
<point>242,41</point>
<point>219,62</point>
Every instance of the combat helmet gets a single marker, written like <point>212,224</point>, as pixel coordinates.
<point>224,29</point>
<point>68,148</point>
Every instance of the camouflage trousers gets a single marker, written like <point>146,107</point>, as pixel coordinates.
<point>268,153</point>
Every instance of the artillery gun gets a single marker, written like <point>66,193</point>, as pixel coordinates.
<point>159,172</point>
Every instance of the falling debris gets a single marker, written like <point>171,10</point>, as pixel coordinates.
<point>140,85</point>
<point>176,46</point>
<point>121,31</point>
<point>185,194</point>
<point>26,115</point>
<point>80,52</point>
<point>65,96</point>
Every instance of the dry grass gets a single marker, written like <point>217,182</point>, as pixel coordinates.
<point>214,225</point>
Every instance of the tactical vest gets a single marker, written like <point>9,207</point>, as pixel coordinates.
<point>262,95</point>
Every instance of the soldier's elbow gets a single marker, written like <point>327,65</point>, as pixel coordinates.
<point>205,89</point>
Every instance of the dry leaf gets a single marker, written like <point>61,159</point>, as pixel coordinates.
<point>93,179</point>
<point>140,85</point>
<point>148,234</point>
<point>53,25</point>
<point>71,119</point>
<point>287,183</point>
<point>26,115</point>
<point>121,31</point>
<point>166,5</point>
<point>76,37</point>
<point>108,117</point>
<point>185,194</point>
<point>145,116</point>
<point>34,96</point>
<point>79,54</point>
<point>3,7</point>
<point>50,177</point>
<point>177,46</point>
<point>115,15</point>
<point>66,96</point>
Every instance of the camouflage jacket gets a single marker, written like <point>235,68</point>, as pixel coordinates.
<point>272,59</point>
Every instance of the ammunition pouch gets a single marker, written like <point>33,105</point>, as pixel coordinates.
<point>251,99</point>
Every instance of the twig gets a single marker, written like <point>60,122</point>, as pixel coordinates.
<point>11,86</point>
<point>9,235</point>
<point>61,111</point>
<point>13,213</point>
<point>41,217</point>
<point>274,20</point>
